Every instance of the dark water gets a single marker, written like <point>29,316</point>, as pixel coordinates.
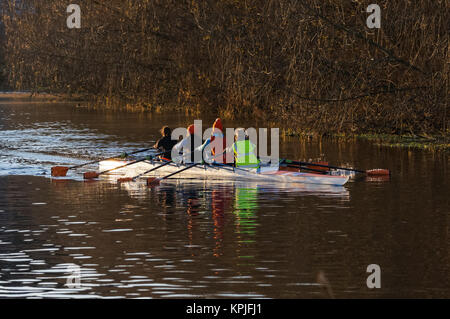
<point>211,239</point>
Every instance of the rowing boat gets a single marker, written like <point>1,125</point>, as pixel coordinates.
<point>265,173</point>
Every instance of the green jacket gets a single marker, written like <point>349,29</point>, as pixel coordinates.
<point>244,154</point>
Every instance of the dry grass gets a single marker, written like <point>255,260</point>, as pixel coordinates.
<point>308,65</point>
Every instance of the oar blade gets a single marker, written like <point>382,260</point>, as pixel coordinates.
<point>90,175</point>
<point>378,172</point>
<point>59,171</point>
<point>153,181</point>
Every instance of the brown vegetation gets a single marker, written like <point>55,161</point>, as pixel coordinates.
<point>311,65</point>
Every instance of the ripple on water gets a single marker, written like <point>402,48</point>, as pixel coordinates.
<point>117,230</point>
<point>177,232</point>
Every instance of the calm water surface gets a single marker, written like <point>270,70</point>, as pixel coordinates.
<point>192,238</point>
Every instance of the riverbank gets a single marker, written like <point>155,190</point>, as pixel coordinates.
<point>37,97</point>
<point>434,143</point>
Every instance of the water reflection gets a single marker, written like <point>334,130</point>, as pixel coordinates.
<point>134,241</point>
<point>219,205</point>
<point>211,238</point>
<point>245,208</point>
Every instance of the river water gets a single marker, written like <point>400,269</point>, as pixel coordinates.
<point>221,239</point>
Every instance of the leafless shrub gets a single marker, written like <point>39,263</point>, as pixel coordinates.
<point>310,65</point>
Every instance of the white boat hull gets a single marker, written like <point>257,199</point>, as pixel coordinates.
<point>268,174</point>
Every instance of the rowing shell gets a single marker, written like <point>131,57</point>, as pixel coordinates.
<point>268,173</point>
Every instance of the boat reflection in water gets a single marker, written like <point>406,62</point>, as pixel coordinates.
<point>139,189</point>
<point>214,203</point>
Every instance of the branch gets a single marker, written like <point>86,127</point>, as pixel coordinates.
<point>351,98</point>
<point>362,37</point>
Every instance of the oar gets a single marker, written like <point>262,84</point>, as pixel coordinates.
<point>308,169</point>
<point>230,166</point>
<point>92,175</point>
<point>237,168</point>
<point>61,171</point>
<point>155,181</point>
<point>132,179</point>
<point>371,172</point>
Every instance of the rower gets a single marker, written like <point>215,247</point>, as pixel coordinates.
<point>218,144</point>
<point>244,150</point>
<point>218,139</point>
<point>187,147</point>
<point>165,143</point>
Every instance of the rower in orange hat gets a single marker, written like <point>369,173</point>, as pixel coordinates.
<point>186,146</point>
<point>216,143</point>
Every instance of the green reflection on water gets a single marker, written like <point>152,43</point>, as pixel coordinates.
<point>245,209</point>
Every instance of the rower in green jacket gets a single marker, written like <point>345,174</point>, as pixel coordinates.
<point>244,151</point>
